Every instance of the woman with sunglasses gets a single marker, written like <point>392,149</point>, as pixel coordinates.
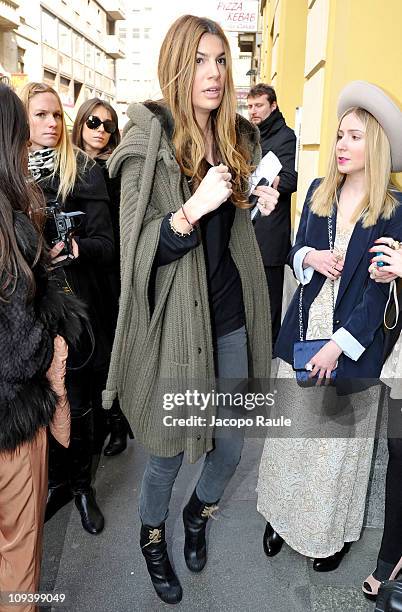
<point>96,132</point>
<point>194,303</point>
<point>70,178</point>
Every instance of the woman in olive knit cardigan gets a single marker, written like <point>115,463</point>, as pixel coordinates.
<point>194,302</point>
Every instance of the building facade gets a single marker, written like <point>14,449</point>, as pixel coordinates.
<point>142,33</point>
<point>72,46</point>
<point>311,49</point>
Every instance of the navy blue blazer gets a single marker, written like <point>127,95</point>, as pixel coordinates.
<point>360,303</point>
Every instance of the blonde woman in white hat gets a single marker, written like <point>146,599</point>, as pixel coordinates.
<point>386,267</point>
<point>312,490</point>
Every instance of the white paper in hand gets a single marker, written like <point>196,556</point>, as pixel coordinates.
<point>268,168</point>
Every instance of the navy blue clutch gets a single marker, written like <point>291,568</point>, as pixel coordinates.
<point>303,351</point>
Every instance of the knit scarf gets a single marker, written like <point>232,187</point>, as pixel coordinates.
<point>41,163</point>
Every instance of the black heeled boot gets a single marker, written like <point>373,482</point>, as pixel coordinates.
<point>80,473</point>
<point>195,518</point>
<point>119,430</point>
<point>163,577</point>
<point>331,563</point>
<point>59,492</point>
<point>272,542</point>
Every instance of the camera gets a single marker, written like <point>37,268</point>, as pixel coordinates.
<point>59,227</point>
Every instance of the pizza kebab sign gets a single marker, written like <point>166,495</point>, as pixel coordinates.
<point>237,16</point>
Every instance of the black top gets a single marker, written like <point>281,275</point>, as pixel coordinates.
<point>86,275</point>
<point>273,232</point>
<point>224,284</point>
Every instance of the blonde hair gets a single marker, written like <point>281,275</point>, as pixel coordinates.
<point>65,158</point>
<point>378,200</point>
<point>176,70</point>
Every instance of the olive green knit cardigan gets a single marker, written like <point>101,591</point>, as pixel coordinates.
<point>171,347</point>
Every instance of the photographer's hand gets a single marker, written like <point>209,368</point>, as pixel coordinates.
<point>54,252</point>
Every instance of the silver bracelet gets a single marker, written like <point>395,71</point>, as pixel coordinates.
<point>176,231</point>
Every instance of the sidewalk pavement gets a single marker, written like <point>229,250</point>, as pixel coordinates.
<point>106,573</point>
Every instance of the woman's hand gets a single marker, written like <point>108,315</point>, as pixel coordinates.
<point>324,362</point>
<point>214,189</point>
<point>267,197</point>
<point>324,262</point>
<point>54,252</point>
<point>391,256</point>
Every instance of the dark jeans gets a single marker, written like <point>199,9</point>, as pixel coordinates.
<point>275,277</point>
<point>220,463</point>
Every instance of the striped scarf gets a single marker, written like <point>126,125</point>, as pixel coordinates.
<point>41,163</point>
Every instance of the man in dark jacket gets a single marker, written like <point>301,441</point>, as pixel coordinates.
<point>273,232</point>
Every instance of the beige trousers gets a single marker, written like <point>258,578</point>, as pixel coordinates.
<point>23,489</point>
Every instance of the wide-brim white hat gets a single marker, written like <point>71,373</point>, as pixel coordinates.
<point>374,100</point>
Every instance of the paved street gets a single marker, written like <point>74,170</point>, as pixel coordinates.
<point>106,573</point>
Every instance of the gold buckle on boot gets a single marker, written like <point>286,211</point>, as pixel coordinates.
<point>208,512</point>
<point>155,537</point>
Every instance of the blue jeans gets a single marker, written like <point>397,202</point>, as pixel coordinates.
<point>220,463</point>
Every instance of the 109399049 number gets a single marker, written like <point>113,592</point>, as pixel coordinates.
<point>20,597</point>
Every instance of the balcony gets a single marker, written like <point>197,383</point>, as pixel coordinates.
<point>114,8</point>
<point>113,47</point>
<point>9,17</point>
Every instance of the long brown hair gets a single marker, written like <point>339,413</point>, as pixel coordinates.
<point>176,70</point>
<point>65,159</point>
<point>85,110</point>
<point>17,194</point>
<point>378,200</point>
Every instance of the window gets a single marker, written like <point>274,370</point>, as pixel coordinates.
<point>64,39</point>
<point>49,30</point>
<point>147,32</point>
<point>79,47</point>
<point>89,54</point>
<point>136,32</point>
<point>49,78</point>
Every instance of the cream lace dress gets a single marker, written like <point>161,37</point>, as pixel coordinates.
<point>313,490</point>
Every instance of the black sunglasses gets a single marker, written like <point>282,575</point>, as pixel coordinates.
<point>93,122</point>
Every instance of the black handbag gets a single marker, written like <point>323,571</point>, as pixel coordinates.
<point>389,597</point>
<point>304,350</point>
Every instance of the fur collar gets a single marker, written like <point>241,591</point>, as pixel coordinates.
<point>142,114</point>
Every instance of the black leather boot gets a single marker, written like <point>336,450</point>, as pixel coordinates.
<point>92,518</point>
<point>59,492</point>
<point>81,445</point>
<point>272,541</point>
<point>119,430</point>
<point>154,549</point>
<point>195,518</point>
<point>328,564</point>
